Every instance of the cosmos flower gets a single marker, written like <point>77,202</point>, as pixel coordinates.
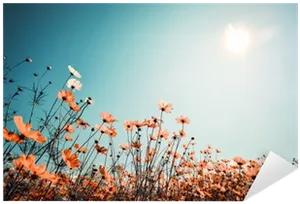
<point>124,147</point>
<point>68,138</point>
<point>74,72</point>
<point>100,150</point>
<point>66,96</point>
<point>74,84</point>
<point>183,120</point>
<point>182,133</point>
<point>128,125</point>
<point>12,137</point>
<point>165,107</point>
<point>240,161</point>
<point>38,170</point>
<point>136,144</point>
<point>25,130</point>
<point>103,129</point>
<point>24,162</point>
<point>81,123</point>
<point>139,124</point>
<point>70,159</point>
<point>69,128</point>
<point>80,149</point>
<point>163,134</point>
<point>112,131</point>
<point>73,106</point>
<point>107,118</point>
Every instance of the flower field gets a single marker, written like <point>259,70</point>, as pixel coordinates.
<point>46,161</point>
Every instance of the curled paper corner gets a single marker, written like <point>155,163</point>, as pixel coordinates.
<point>274,169</point>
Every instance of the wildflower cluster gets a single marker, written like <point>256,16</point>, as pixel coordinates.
<point>48,161</point>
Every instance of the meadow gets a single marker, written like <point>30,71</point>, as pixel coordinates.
<point>44,161</point>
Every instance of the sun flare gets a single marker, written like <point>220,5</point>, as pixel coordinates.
<point>237,39</point>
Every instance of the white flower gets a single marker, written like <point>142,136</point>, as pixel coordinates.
<point>89,100</point>
<point>74,84</point>
<point>74,72</point>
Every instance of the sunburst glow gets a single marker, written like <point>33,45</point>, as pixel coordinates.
<point>237,39</point>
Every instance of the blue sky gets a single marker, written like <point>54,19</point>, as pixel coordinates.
<point>132,55</point>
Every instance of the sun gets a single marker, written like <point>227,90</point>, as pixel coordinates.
<point>237,39</point>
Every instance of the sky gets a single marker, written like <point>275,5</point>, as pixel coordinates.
<point>131,56</point>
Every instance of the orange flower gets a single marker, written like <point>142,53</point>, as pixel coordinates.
<point>103,129</point>
<point>12,137</point>
<point>240,161</point>
<point>68,138</point>
<point>102,170</point>
<point>107,118</point>
<point>51,177</point>
<point>156,120</point>
<point>70,159</point>
<point>112,131</point>
<point>105,176</point>
<point>163,134</point>
<point>69,129</point>
<point>152,137</point>
<point>252,172</point>
<point>66,96</point>
<point>124,147</point>
<point>164,107</point>
<point>80,149</point>
<point>202,164</point>
<point>253,163</point>
<point>182,133</point>
<point>128,125</point>
<point>222,167</point>
<point>28,163</point>
<point>183,120</point>
<point>205,151</point>
<point>218,151</point>
<point>151,124</point>
<point>76,146</point>
<point>74,106</point>
<point>24,129</point>
<point>24,162</point>
<point>100,150</point>
<point>38,170</point>
<point>139,124</point>
<point>136,144</point>
<point>81,123</point>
